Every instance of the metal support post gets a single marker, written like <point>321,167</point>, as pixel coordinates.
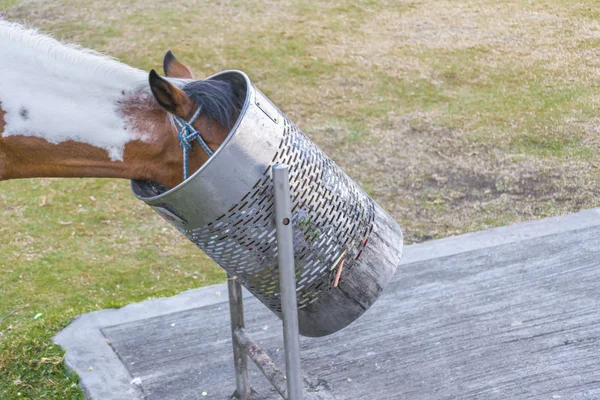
<point>240,358</point>
<point>287,279</point>
<point>289,386</point>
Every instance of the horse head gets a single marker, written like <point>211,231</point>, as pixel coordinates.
<point>68,112</point>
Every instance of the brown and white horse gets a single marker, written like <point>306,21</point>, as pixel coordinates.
<point>70,112</point>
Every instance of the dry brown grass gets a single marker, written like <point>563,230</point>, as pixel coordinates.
<point>424,103</point>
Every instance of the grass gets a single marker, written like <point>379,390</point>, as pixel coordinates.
<point>455,116</point>
<point>73,246</point>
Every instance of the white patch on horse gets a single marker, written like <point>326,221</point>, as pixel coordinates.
<point>61,92</point>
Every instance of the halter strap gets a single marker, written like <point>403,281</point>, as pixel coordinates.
<point>186,134</point>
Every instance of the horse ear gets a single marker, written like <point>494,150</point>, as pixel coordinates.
<point>171,98</point>
<point>175,69</point>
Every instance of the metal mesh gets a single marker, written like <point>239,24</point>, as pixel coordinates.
<point>331,214</point>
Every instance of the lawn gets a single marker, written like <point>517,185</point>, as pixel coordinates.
<point>454,115</point>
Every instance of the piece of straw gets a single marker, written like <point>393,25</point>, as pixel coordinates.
<point>338,274</point>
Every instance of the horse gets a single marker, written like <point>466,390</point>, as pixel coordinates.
<point>67,111</point>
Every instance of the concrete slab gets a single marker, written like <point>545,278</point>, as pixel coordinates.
<point>456,307</point>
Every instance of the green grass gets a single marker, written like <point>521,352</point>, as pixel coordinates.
<point>455,116</point>
<point>70,247</point>
<point>550,146</point>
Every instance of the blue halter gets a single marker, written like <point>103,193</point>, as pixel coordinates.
<point>186,134</point>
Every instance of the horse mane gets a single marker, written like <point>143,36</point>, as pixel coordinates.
<point>217,99</point>
<point>24,44</point>
<point>27,45</point>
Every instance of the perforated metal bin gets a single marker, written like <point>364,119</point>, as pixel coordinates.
<point>226,208</point>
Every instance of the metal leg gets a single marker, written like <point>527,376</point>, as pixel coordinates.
<point>287,279</point>
<point>240,358</point>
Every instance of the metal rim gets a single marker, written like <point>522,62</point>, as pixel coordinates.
<point>216,153</point>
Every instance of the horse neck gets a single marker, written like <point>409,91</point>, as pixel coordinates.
<point>138,143</point>
<point>152,153</point>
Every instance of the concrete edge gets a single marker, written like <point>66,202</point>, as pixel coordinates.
<point>108,377</point>
<point>498,236</point>
<point>84,341</point>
